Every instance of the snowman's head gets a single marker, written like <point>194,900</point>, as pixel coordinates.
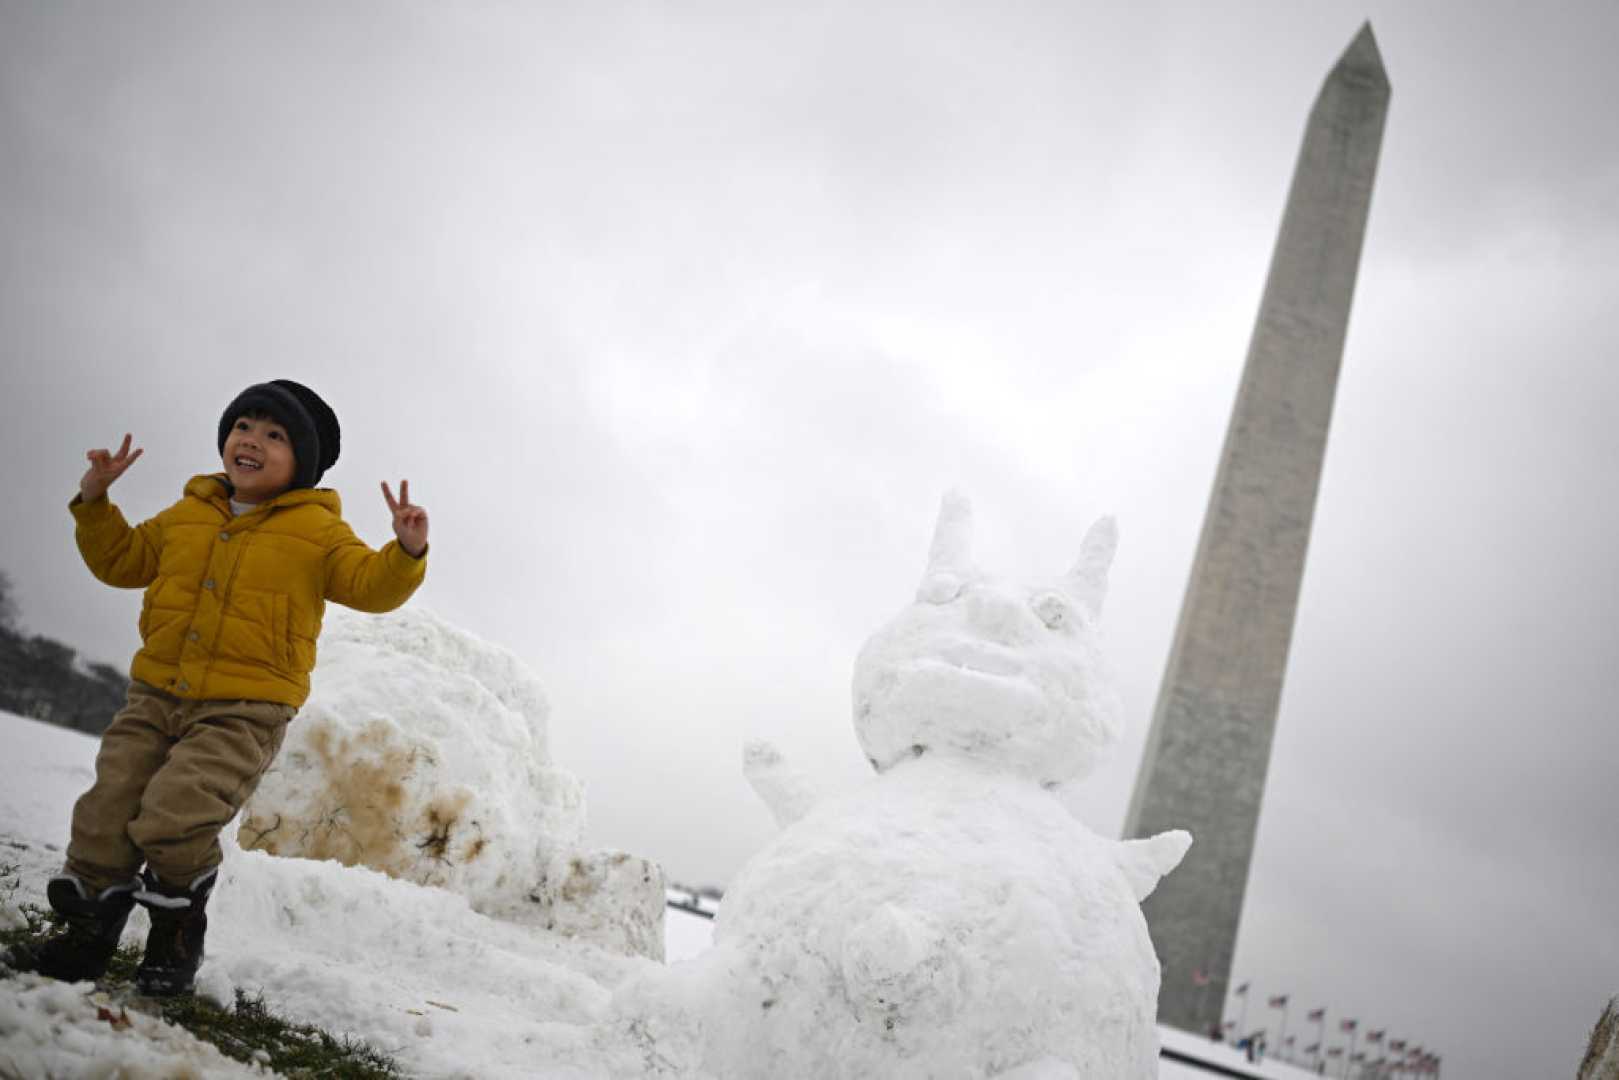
<point>1005,673</point>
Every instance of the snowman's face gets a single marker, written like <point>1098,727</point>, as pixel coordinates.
<point>1004,673</point>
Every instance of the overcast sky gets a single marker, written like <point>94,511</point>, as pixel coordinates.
<point>681,317</point>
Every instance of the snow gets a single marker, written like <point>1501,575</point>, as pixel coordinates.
<point>410,969</point>
<point>948,917</point>
<point>49,1029</point>
<point>1204,1049</point>
<point>686,934</point>
<point>422,752</point>
<point>962,955</point>
<point>1005,674</point>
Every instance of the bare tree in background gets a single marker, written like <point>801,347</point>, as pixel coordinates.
<point>44,679</point>
<point>8,603</point>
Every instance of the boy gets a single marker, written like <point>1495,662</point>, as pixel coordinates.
<point>236,574</point>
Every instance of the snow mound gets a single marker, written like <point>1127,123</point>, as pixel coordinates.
<point>414,971</point>
<point>948,918</point>
<point>49,1028</point>
<point>422,753</point>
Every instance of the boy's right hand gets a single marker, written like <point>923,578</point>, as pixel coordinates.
<point>105,467</point>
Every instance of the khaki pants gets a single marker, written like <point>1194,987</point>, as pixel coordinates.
<point>171,773</point>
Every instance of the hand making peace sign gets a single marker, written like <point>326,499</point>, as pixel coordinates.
<point>410,522</point>
<point>105,467</point>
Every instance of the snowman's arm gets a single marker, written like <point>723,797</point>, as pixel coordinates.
<point>787,792</point>
<point>1144,862</point>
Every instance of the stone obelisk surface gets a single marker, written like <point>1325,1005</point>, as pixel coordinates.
<point>1210,740</point>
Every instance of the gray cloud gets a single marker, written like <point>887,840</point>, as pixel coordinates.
<point>680,322</point>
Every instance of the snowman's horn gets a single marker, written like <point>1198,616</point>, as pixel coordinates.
<point>951,551</point>
<point>1087,581</point>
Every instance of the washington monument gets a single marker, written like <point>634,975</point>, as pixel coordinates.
<point>1210,740</point>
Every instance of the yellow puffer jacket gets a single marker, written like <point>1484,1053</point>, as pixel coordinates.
<point>234,604</point>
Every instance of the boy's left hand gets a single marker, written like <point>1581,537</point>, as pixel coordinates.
<point>410,522</point>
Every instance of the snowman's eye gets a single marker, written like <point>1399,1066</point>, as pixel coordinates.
<point>939,588</point>
<point>1053,611</point>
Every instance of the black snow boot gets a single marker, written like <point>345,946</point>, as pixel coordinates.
<point>179,923</point>
<point>84,944</point>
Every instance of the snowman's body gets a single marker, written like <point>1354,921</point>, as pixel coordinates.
<point>950,917</point>
<point>942,920</point>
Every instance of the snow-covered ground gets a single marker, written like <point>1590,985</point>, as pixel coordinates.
<point>409,874</point>
<point>411,969</point>
<point>1226,1057</point>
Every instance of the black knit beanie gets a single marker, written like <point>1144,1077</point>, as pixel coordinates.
<point>310,422</point>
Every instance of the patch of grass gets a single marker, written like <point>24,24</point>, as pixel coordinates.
<point>247,1030</point>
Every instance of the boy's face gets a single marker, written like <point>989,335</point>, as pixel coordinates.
<point>258,459</point>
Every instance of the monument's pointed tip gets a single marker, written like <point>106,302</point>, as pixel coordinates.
<point>1363,57</point>
<point>1365,43</point>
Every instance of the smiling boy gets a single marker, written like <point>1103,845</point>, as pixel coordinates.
<point>237,575</point>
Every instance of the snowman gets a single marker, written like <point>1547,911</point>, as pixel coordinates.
<point>949,917</point>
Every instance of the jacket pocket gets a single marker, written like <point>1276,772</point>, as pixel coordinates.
<point>255,628</point>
